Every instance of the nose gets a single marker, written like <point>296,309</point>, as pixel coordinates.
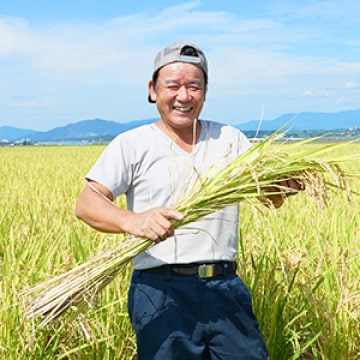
<point>183,94</point>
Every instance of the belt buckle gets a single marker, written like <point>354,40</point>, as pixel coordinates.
<point>206,270</point>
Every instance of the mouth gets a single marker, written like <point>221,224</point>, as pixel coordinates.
<point>183,110</point>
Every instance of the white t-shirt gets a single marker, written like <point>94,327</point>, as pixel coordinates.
<point>152,170</point>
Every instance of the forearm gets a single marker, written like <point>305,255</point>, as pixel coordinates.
<point>95,209</point>
<point>101,214</point>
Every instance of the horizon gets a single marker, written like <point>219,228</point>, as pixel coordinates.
<point>294,115</point>
<point>61,62</point>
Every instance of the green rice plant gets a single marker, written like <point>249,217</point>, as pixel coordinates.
<point>247,178</point>
<point>35,223</point>
<point>301,264</point>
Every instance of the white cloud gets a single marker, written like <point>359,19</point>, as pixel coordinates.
<point>315,93</point>
<point>349,100</point>
<point>25,102</point>
<point>345,11</point>
<point>14,36</point>
<point>89,67</point>
<point>352,85</point>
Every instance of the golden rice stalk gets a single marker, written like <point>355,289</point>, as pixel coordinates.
<point>247,178</point>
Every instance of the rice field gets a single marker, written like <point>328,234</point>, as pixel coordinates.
<point>302,265</point>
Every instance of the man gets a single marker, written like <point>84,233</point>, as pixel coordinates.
<point>185,299</point>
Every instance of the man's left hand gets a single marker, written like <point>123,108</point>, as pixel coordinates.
<point>282,190</point>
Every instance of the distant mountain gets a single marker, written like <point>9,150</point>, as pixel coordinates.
<point>13,133</point>
<point>87,129</point>
<point>308,121</point>
<point>106,129</point>
<point>82,130</point>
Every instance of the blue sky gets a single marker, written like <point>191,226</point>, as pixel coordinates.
<point>63,61</point>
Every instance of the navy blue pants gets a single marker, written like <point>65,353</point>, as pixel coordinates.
<point>187,318</point>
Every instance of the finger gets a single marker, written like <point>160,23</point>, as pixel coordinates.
<point>172,214</point>
<point>295,184</point>
<point>156,238</point>
<point>169,232</point>
<point>282,185</point>
<point>162,232</point>
<point>294,187</point>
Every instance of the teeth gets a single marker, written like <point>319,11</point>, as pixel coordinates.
<point>182,109</point>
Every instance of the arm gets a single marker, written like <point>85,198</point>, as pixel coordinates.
<point>95,208</point>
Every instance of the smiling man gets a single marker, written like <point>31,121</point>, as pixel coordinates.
<point>178,88</point>
<point>185,299</point>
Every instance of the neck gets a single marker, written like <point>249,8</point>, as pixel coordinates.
<point>186,138</point>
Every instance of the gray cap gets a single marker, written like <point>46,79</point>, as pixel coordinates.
<point>181,52</point>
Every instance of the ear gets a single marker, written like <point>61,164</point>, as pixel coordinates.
<point>152,91</point>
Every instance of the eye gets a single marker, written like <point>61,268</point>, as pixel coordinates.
<point>173,87</point>
<point>194,88</point>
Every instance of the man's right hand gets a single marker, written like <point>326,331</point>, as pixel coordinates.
<point>153,224</point>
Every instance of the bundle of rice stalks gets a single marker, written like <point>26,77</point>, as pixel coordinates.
<point>247,178</point>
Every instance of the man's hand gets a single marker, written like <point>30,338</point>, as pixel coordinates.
<point>282,190</point>
<point>153,224</point>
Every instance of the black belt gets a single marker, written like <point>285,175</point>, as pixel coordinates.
<point>205,270</point>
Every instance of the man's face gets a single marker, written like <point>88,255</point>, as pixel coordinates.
<point>179,94</point>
